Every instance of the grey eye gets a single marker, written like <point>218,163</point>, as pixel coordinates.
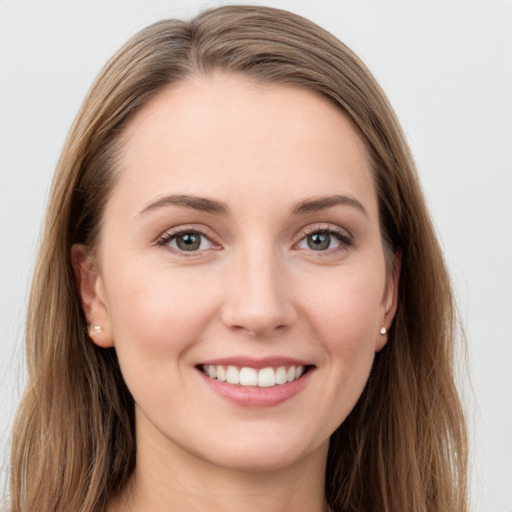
<point>189,241</point>
<point>322,241</point>
<point>319,241</point>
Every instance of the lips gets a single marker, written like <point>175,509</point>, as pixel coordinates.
<point>256,382</point>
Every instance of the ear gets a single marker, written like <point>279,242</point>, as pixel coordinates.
<point>92,293</point>
<point>390,299</point>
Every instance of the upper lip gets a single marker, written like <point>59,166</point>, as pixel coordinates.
<point>256,362</point>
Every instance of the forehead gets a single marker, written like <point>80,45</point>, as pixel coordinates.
<point>227,136</point>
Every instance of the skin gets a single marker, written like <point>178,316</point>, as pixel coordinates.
<point>255,288</point>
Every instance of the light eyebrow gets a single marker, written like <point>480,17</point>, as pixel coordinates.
<point>322,203</point>
<point>185,201</point>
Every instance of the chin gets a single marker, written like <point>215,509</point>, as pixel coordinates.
<point>264,453</point>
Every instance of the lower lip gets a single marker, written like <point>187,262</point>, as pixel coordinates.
<point>254,396</point>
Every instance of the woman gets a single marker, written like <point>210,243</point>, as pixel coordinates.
<point>240,302</point>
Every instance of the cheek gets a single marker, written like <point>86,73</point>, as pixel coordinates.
<point>156,313</point>
<point>345,315</point>
<point>157,318</point>
<point>347,308</point>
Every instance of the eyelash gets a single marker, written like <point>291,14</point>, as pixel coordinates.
<point>341,235</point>
<point>168,237</point>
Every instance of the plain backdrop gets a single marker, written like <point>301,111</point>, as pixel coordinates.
<point>447,68</point>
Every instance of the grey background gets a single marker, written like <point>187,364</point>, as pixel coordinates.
<point>447,68</point>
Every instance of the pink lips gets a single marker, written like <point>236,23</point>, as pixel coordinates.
<point>257,363</point>
<point>254,396</point>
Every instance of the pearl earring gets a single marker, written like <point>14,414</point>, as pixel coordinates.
<point>96,329</point>
<point>383,331</point>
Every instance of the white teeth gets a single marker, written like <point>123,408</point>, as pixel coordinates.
<point>221,373</point>
<point>246,376</point>
<point>281,375</point>
<point>233,375</point>
<point>266,378</point>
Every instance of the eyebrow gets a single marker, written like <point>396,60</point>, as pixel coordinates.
<point>322,203</point>
<point>196,203</point>
<point>218,207</point>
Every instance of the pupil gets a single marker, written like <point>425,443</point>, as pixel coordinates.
<point>188,242</point>
<point>319,241</point>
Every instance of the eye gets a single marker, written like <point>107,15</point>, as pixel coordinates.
<point>187,241</point>
<point>325,239</point>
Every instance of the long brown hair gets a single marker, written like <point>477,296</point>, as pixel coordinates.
<point>403,447</point>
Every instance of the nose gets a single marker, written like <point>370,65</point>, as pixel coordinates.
<point>258,295</point>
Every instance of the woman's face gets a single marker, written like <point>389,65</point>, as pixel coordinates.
<point>241,241</point>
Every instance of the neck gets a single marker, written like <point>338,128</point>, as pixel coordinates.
<point>173,480</point>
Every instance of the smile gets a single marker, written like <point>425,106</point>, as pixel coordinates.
<point>256,382</point>
<point>247,376</point>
